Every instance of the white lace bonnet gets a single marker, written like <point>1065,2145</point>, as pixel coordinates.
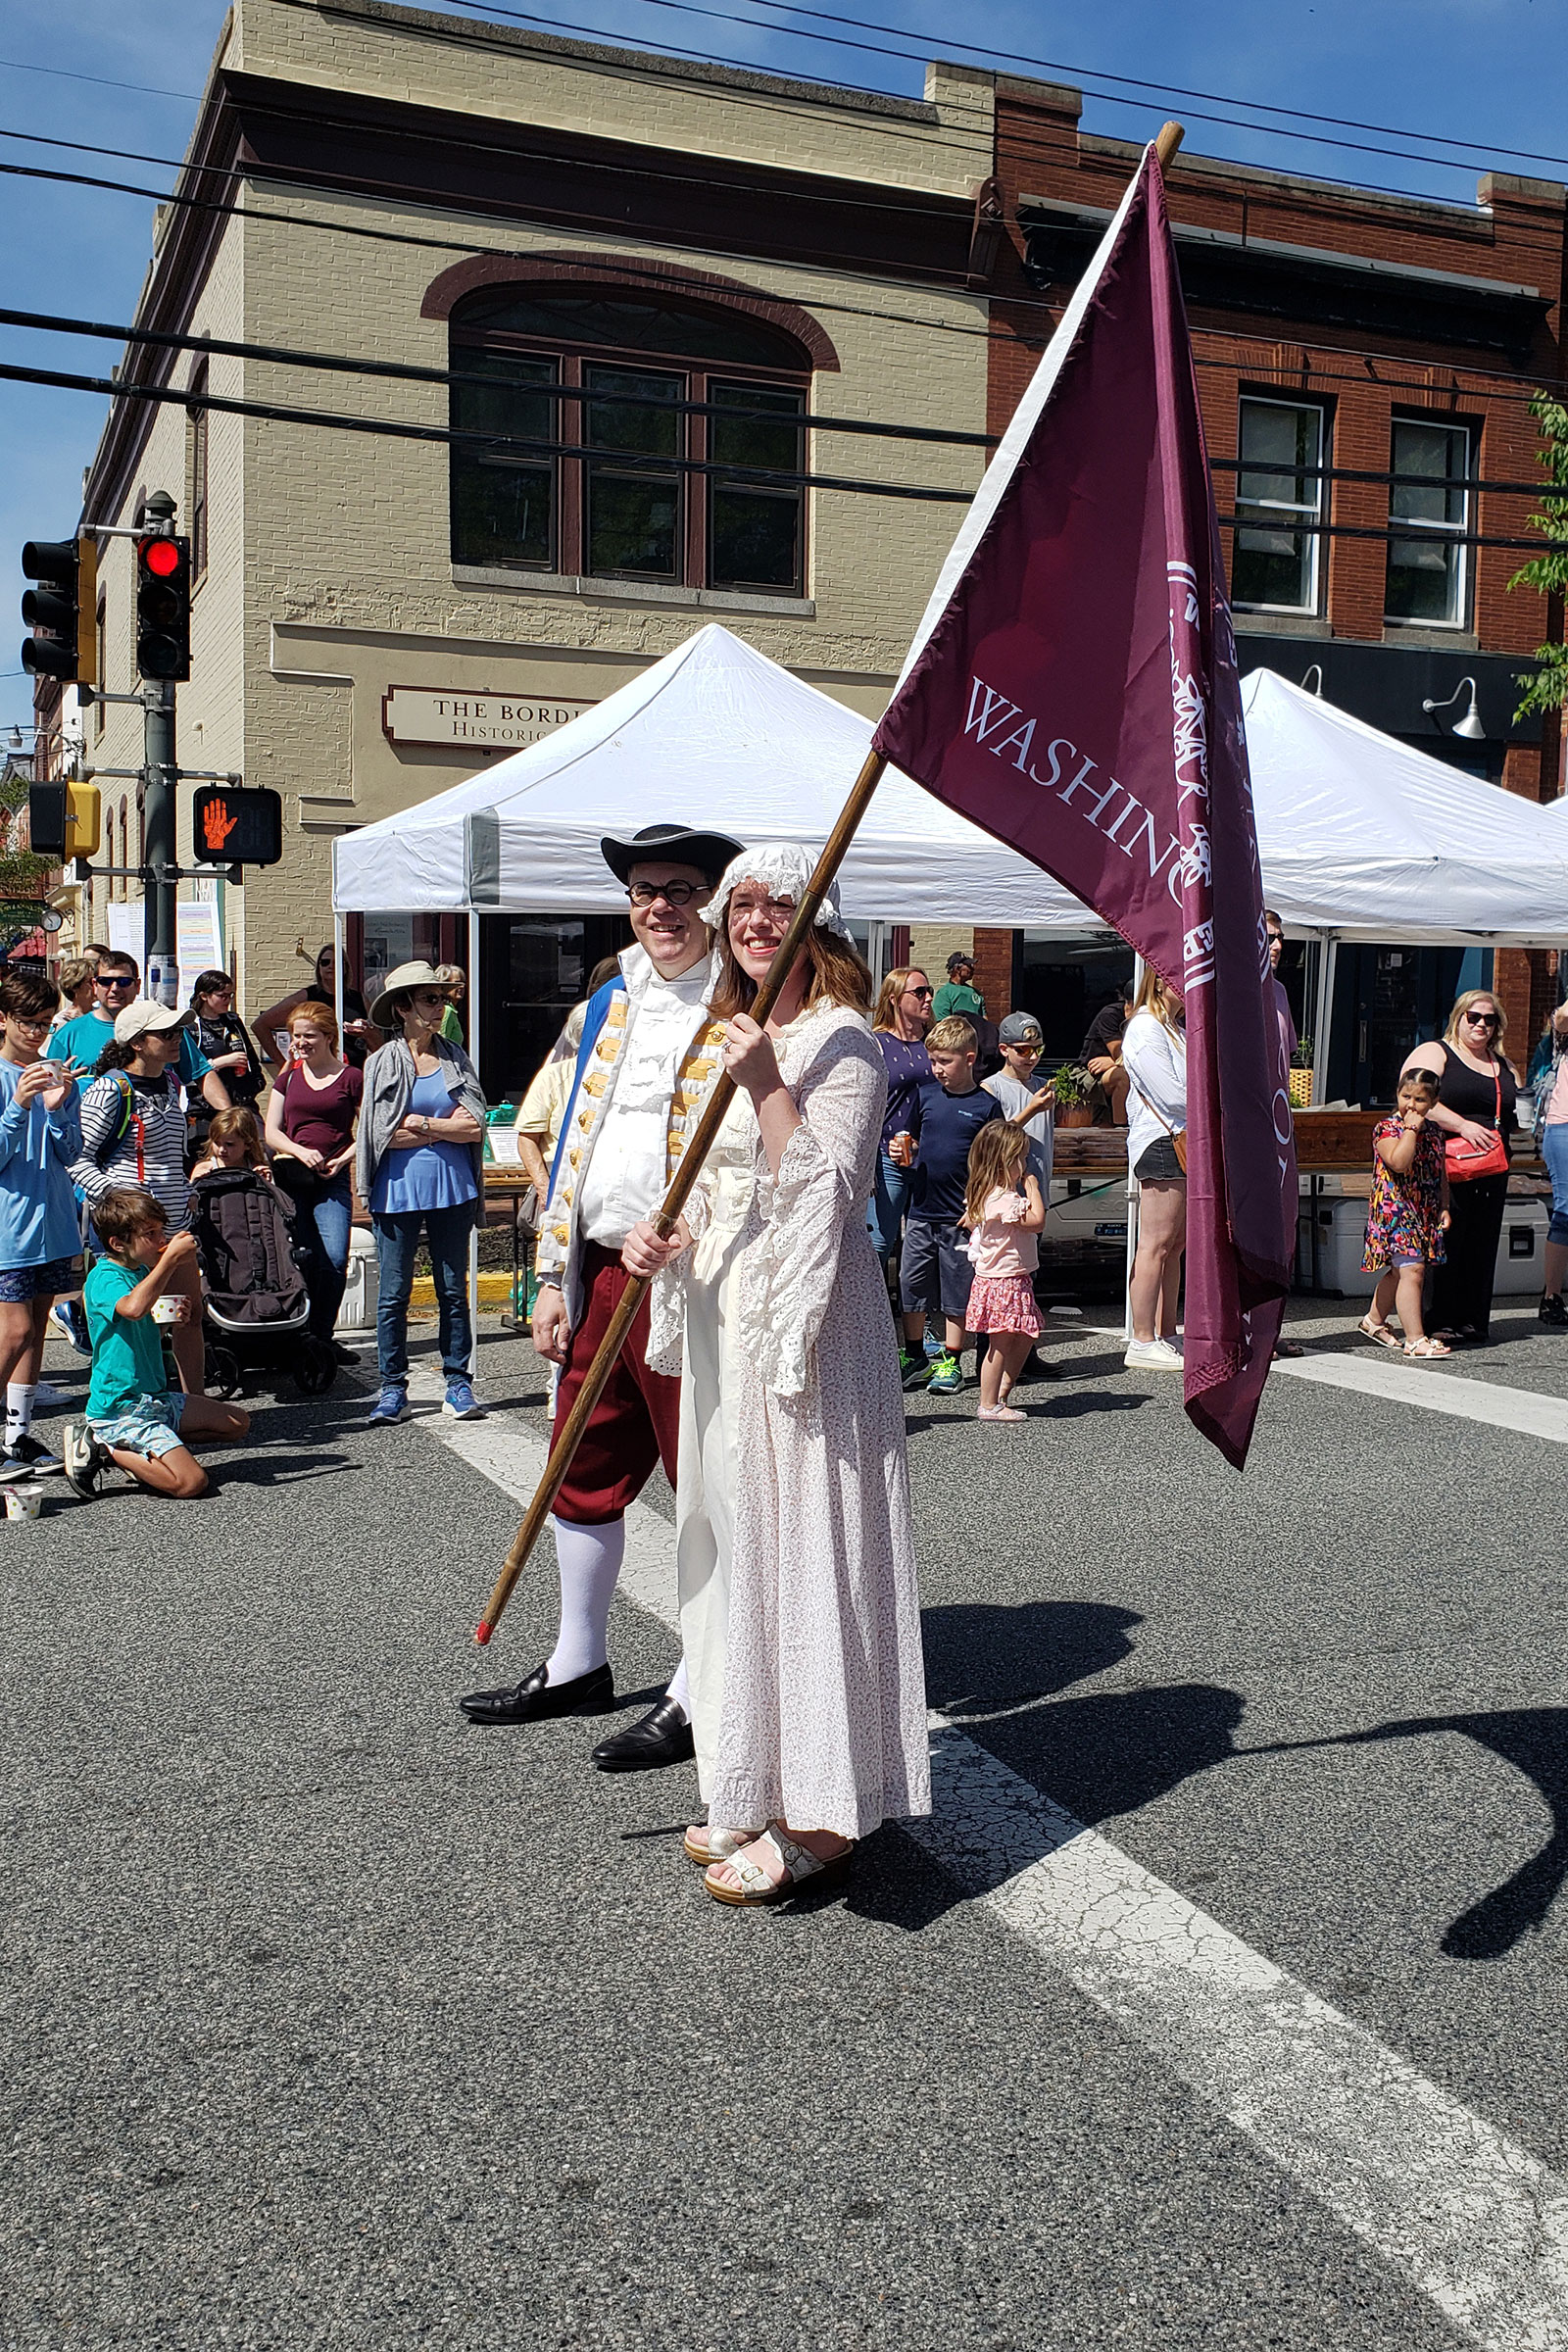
<point>785,868</point>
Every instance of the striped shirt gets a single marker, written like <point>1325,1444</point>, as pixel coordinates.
<point>145,1152</point>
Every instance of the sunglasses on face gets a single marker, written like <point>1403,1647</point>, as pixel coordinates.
<point>920,992</point>
<point>114,980</point>
<point>1482,1020</point>
<point>674,894</point>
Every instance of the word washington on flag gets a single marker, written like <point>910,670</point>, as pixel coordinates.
<point>1073,688</point>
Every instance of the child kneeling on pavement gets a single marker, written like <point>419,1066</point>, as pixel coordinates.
<point>134,1418</point>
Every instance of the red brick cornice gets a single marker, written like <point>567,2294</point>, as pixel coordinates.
<point>630,276</point>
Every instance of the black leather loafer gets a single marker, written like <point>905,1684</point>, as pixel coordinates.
<point>663,1737</point>
<point>537,1699</point>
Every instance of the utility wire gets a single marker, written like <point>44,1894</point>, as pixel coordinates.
<point>663,281</point>
<point>745,476</point>
<point>742,475</point>
<point>277,355</point>
<point>407,372</point>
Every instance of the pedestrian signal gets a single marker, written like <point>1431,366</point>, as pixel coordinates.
<point>163,606</point>
<point>237,828</point>
<point>62,611</point>
<point>63,820</point>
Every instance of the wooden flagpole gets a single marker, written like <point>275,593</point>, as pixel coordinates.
<point>697,1150</point>
<point>674,1201</point>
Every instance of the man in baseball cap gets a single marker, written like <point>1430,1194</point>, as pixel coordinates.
<point>958,993</point>
<point>648,1055</point>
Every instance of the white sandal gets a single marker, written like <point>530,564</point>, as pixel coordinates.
<point>756,1887</point>
<point>705,1843</point>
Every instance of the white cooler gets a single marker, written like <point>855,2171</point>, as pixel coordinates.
<point>1341,1238</point>
<point>362,1287</point>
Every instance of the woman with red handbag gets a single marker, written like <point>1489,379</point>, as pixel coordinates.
<point>1475,1111</point>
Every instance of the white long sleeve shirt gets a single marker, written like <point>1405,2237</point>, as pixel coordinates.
<point>1156,1061</point>
<point>625,1177</point>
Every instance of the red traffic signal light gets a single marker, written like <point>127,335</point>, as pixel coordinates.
<point>62,611</point>
<point>163,606</point>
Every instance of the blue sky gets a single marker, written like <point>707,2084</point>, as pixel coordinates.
<point>1488,71</point>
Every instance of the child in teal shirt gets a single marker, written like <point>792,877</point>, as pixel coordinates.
<point>134,1418</point>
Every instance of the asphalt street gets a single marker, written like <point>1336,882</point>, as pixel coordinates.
<point>331,2021</point>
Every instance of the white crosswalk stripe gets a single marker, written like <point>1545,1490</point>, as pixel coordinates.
<point>1461,2211</point>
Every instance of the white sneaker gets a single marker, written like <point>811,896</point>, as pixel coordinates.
<point>1152,1356</point>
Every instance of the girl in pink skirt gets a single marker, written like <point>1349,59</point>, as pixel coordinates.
<point>1004,1212</point>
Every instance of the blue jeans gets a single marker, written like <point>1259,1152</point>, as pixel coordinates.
<point>890,1201</point>
<point>397,1236</point>
<point>1554,1152</point>
<point>323,1215</point>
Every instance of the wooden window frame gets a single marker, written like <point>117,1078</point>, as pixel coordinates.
<point>693,442</point>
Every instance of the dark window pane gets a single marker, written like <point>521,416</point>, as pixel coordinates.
<point>632,523</point>
<point>639,418</point>
<point>771,440</point>
<point>503,506</point>
<point>600,320</point>
<point>501,514</point>
<point>754,533</point>
<point>756,540</point>
<point>1426,578</point>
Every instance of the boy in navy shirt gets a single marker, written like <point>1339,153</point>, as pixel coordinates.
<point>935,1274</point>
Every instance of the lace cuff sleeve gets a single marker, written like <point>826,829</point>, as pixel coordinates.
<point>823,1179</point>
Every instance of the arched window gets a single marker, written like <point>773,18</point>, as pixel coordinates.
<point>627,389</point>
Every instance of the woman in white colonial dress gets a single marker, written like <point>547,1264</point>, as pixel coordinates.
<point>799,1609</point>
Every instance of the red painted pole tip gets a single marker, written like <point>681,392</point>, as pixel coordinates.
<point>482,1635</point>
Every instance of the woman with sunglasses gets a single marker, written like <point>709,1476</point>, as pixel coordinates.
<point>1477,1094</point>
<point>900,1020</point>
<point>421,1169</point>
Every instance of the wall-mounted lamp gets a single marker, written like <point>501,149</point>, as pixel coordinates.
<point>1469,726</point>
<point>1315,671</point>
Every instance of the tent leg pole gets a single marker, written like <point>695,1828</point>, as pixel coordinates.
<point>1328,956</point>
<point>1132,1210</point>
<point>474,1018</point>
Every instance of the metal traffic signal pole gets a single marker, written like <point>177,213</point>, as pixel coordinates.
<point>160,776</point>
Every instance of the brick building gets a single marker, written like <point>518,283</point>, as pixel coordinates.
<point>613,250</point>
<point>1364,364</point>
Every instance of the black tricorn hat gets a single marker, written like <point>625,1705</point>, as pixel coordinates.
<point>709,853</point>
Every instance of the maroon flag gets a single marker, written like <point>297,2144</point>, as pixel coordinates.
<point>1073,689</point>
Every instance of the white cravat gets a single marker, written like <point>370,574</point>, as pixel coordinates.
<point>625,1177</point>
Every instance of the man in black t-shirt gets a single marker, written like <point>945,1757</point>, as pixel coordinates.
<point>1100,1056</point>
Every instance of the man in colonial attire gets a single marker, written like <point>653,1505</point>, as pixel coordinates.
<point>648,1058</point>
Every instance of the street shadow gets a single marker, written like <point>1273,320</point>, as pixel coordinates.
<point>1534,1741</point>
<point>995,1672</point>
<point>984,1657</point>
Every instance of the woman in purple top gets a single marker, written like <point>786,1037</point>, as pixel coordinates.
<point>902,1018</point>
<point>310,1133</point>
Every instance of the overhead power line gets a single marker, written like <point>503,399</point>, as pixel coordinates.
<point>747,477</point>
<point>391,428</point>
<point>334,363</point>
<point>661,279</point>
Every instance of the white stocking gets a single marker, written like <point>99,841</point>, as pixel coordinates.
<point>589,1559</point>
<point>680,1691</point>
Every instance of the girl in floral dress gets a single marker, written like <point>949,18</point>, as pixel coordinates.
<point>1407,1215</point>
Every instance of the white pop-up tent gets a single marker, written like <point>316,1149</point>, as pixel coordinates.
<point>1360,837</point>
<point>714,735</point>
<point>1365,837</point>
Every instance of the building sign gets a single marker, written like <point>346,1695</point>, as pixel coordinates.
<point>481,721</point>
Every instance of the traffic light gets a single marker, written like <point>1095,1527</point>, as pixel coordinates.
<point>63,607</point>
<point>237,828</point>
<point>64,821</point>
<point>163,606</point>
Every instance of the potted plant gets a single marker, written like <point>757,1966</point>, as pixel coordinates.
<point>1300,1074</point>
<point>1073,1085</point>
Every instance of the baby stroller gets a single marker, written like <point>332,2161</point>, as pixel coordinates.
<point>257,1307</point>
